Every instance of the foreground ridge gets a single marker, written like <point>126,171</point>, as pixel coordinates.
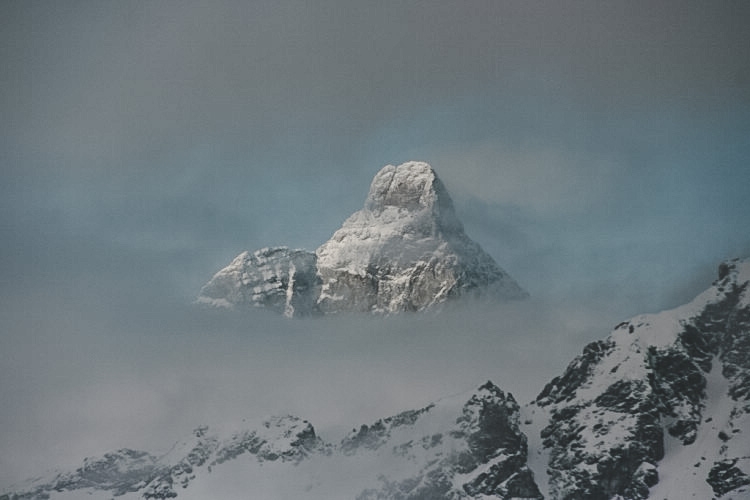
<point>404,251</point>
<point>661,407</point>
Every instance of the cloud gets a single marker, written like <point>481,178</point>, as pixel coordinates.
<point>537,178</point>
<point>115,87</point>
<point>90,381</point>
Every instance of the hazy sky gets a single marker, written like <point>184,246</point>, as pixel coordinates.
<point>598,150</point>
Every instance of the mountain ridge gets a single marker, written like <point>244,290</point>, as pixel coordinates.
<point>631,405</point>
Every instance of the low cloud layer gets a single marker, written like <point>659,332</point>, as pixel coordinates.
<point>88,381</point>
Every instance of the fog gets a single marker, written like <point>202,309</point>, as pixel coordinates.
<point>597,151</point>
<point>83,382</point>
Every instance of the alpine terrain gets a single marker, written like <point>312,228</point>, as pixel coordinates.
<point>404,251</point>
<point>660,409</point>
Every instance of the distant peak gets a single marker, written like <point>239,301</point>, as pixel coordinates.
<point>404,251</point>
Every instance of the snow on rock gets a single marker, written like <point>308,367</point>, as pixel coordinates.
<point>279,279</point>
<point>137,474</point>
<point>455,448</point>
<point>661,391</point>
<point>404,251</point>
<point>120,472</point>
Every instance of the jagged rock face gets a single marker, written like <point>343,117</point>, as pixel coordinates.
<point>278,279</point>
<point>457,448</point>
<point>637,402</point>
<point>481,453</point>
<point>404,251</point>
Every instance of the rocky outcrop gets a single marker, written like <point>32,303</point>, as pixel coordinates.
<point>481,454</point>
<point>404,251</point>
<point>279,279</point>
<point>285,439</point>
<point>120,472</point>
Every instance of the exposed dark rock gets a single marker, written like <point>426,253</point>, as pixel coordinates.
<point>679,385</point>
<point>725,476</point>
<point>610,409</point>
<point>485,444</point>
<point>564,387</point>
<point>121,472</point>
<point>376,435</point>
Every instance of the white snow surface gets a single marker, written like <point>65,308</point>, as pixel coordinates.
<point>628,362</point>
<point>684,469</point>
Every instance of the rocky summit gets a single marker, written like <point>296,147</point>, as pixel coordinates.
<point>405,250</point>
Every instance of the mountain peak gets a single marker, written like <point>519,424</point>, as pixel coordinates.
<point>411,189</point>
<point>405,250</point>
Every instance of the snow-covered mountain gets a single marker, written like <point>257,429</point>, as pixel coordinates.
<point>660,409</point>
<point>404,251</point>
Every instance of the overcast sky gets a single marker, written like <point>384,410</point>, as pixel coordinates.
<point>598,150</point>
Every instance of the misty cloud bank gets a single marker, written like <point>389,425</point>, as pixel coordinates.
<point>90,381</point>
